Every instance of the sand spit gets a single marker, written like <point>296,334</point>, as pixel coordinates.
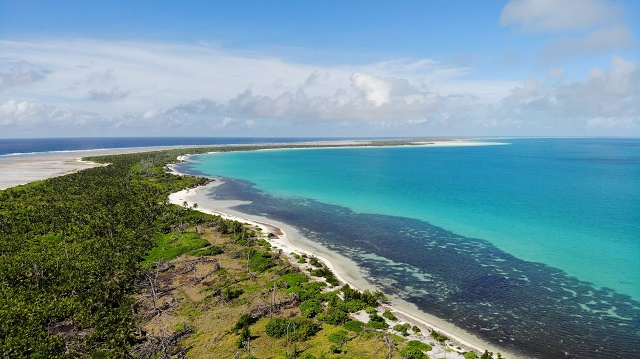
<point>22,168</point>
<point>30,167</point>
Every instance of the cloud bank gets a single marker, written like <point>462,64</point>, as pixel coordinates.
<point>87,87</point>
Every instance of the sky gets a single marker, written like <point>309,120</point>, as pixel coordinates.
<point>319,68</point>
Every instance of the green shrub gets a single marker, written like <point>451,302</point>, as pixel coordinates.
<point>231,293</point>
<point>387,314</point>
<point>277,327</point>
<point>470,355</point>
<point>419,345</point>
<point>377,322</point>
<point>208,251</point>
<point>311,290</point>
<point>439,337</point>
<point>339,337</point>
<point>402,328</point>
<point>173,245</point>
<point>294,279</point>
<point>299,329</point>
<point>244,321</point>
<point>334,316</point>
<point>260,261</point>
<point>354,326</point>
<point>326,273</point>
<point>310,308</point>
<point>416,329</point>
<point>370,310</point>
<point>245,335</point>
<point>315,262</point>
<point>377,325</point>
<point>413,353</point>
<point>353,306</point>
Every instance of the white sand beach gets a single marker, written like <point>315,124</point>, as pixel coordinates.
<point>30,167</point>
<point>290,240</point>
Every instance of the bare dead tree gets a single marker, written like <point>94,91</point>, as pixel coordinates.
<point>390,345</point>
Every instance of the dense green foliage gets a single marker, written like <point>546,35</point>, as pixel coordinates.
<point>354,326</point>
<point>377,322</point>
<point>402,328</point>
<point>439,337</point>
<point>387,314</point>
<point>325,273</point>
<point>71,249</point>
<point>415,350</point>
<point>208,251</point>
<point>339,336</point>
<point>173,245</point>
<point>310,308</point>
<point>296,329</point>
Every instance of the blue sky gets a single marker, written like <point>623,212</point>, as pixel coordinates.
<point>323,68</point>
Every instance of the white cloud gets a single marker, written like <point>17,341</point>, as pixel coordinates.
<point>33,116</point>
<point>554,15</point>
<point>608,99</point>
<point>170,89</point>
<point>227,121</point>
<point>375,89</point>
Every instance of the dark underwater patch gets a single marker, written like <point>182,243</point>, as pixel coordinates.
<point>524,307</point>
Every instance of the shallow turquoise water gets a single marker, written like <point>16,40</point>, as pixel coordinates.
<point>573,204</point>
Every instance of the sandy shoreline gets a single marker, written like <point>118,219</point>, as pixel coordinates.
<point>24,168</point>
<point>290,240</point>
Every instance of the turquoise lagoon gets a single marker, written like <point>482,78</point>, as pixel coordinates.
<point>525,217</point>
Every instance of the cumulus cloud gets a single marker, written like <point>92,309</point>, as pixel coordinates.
<point>196,90</point>
<point>553,15</point>
<point>375,89</point>
<point>20,74</point>
<point>606,99</point>
<point>29,115</point>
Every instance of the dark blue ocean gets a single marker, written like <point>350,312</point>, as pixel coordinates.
<point>533,245</point>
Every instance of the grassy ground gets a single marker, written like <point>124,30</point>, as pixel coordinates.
<point>190,305</point>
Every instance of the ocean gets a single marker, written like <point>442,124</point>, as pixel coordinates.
<point>533,246</point>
